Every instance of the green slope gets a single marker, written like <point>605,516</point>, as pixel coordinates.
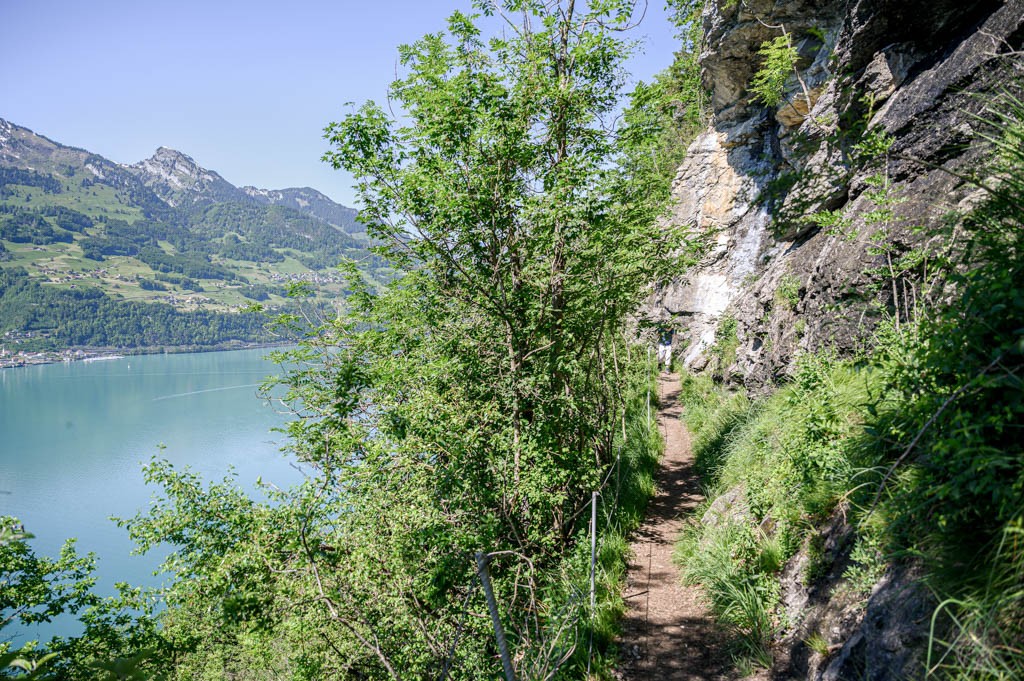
<point>71,221</point>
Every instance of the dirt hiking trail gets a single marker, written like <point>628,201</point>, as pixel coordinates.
<point>668,631</point>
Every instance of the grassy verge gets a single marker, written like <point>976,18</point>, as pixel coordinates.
<point>840,433</point>
<point>773,470</point>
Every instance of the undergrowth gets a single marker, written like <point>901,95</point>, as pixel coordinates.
<point>623,499</point>
<point>919,439</point>
<point>951,429</point>
<point>784,462</point>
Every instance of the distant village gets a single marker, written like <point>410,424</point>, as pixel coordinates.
<point>10,358</point>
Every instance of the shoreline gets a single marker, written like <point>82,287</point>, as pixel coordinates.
<point>10,360</point>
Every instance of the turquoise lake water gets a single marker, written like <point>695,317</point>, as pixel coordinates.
<point>74,437</point>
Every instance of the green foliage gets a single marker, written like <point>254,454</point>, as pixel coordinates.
<point>787,293</point>
<point>23,226</point>
<point>36,589</point>
<point>982,632</point>
<point>968,475</point>
<point>873,145</point>
<point>62,224</point>
<point>798,452</point>
<point>817,643</point>
<point>26,178</point>
<point>905,274</point>
<point>778,61</point>
<point>663,118</point>
<point>29,665</point>
<point>867,558</point>
<point>947,428</point>
<point>727,342</point>
<point>833,222</point>
<point>627,489</point>
<point>724,560</point>
<point>258,233</point>
<point>817,564</point>
<point>712,414</point>
<point>920,437</point>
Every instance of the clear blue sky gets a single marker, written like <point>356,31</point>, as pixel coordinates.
<point>244,87</point>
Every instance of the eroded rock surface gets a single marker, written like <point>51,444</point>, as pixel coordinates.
<point>788,197</point>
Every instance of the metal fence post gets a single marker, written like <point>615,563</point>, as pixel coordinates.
<point>593,563</point>
<point>492,606</point>
<point>593,549</point>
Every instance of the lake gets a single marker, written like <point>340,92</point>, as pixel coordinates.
<point>74,437</point>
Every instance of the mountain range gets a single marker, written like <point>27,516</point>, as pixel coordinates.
<point>164,230</point>
<point>171,175</point>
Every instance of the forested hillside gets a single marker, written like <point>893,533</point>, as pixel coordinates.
<point>164,239</point>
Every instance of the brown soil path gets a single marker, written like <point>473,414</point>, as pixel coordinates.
<point>668,631</point>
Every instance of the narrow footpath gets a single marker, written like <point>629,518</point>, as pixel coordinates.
<point>668,630</point>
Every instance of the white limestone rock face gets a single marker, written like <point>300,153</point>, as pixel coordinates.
<point>714,195</point>
<point>177,179</point>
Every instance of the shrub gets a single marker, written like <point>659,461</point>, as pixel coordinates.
<point>778,59</point>
<point>787,294</point>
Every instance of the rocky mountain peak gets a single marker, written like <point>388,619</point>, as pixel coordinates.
<point>174,177</point>
<point>178,170</point>
<point>178,179</point>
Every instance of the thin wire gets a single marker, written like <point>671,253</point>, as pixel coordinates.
<point>458,631</point>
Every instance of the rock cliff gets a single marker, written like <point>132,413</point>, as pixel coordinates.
<point>819,215</point>
<point>807,205</point>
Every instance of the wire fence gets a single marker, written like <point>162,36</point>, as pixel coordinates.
<point>483,579</point>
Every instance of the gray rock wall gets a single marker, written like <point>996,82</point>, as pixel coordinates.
<point>922,73</point>
<point>793,204</point>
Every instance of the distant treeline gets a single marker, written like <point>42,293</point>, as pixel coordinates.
<point>28,178</point>
<point>86,317</point>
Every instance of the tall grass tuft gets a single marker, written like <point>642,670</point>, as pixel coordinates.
<point>724,561</point>
<point>786,462</point>
<point>983,629</point>
<point>712,413</point>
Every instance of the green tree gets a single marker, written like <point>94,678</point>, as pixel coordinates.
<point>118,631</point>
<point>664,116</point>
<point>496,190</point>
<point>469,406</point>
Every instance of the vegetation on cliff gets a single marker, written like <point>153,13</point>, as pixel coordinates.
<point>914,442</point>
